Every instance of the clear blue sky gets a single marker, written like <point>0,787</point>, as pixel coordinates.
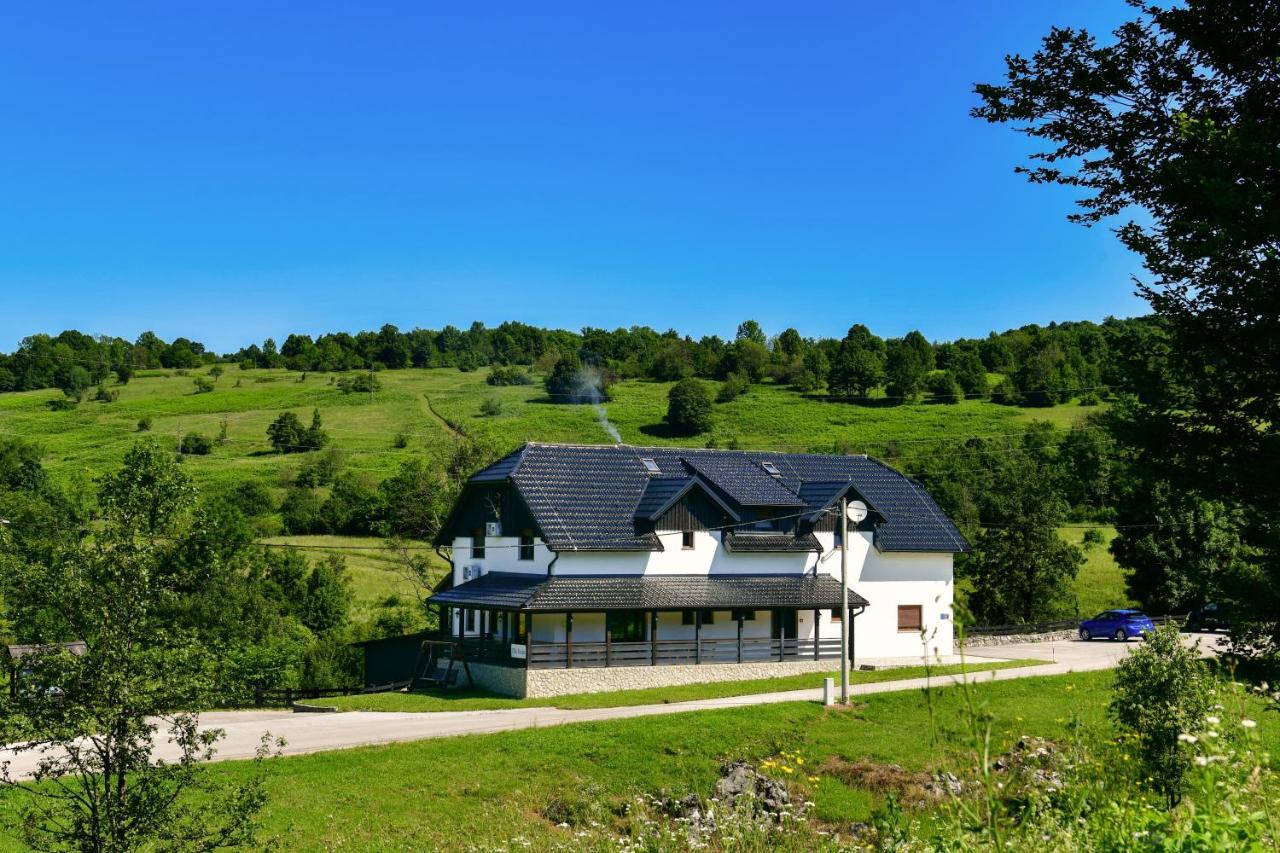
<point>230,171</point>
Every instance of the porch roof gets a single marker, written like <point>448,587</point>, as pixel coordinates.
<point>593,593</point>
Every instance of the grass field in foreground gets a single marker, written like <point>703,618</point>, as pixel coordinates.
<point>483,791</point>
<point>478,700</point>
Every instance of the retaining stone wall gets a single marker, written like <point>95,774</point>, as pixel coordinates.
<point>506,680</point>
<point>1010,639</point>
<point>558,682</point>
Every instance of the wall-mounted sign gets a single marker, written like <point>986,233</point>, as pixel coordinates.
<point>519,651</point>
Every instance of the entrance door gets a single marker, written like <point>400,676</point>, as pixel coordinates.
<point>784,625</point>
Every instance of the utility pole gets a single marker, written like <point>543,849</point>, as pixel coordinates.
<point>844,601</point>
<point>371,381</point>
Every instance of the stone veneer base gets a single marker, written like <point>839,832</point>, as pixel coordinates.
<point>540,683</point>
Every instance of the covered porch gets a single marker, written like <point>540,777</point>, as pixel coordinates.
<point>570,622</point>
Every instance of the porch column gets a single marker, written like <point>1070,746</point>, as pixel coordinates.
<point>697,636</point>
<point>653,638</point>
<point>740,615</point>
<point>568,641</point>
<point>782,633</point>
<point>817,626</point>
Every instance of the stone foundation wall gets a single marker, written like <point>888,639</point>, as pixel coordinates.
<point>506,680</point>
<point>1010,639</point>
<point>558,682</point>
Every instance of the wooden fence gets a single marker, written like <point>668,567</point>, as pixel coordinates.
<point>678,652</point>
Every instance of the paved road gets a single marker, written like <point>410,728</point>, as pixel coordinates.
<point>320,732</point>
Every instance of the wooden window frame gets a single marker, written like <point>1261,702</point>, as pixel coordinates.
<point>919,612</point>
<point>477,543</point>
<point>687,541</point>
<point>526,549</point>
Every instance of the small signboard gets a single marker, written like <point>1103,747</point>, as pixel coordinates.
<point>519,651</point>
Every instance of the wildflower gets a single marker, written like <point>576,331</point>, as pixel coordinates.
<point>1201,761</point>
<point>1248,724</point>
<point>813,778</point>
<point>1211,720</point>
<point>1211,734</point>
<point>1071,687</point>
<point>1186,738</point>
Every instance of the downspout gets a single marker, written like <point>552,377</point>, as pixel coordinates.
<point>551,566</point>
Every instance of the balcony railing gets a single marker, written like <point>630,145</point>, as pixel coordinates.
<point>678,652</point>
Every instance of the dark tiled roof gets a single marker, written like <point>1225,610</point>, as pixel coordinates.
<point>659,493</point>
<point>562,593</point>
<point>501,590</point>
<point>751,542</point>
<point>586,497</point>
<point>747,484</point>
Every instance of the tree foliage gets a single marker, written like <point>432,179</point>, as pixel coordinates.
<point>689,409</point>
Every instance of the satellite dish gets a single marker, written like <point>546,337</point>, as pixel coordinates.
<point>857,511</point>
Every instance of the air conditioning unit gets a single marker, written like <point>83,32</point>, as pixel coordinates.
<point>493,528</point>
<point>471,572</point>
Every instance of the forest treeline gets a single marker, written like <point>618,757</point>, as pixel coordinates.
<point>1035,365</point>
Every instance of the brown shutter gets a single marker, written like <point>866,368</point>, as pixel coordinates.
<point>910,617</point>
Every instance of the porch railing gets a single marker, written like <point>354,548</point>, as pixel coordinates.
<point>678,652</point>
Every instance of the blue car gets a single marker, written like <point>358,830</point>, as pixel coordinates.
<point>1117,625</point>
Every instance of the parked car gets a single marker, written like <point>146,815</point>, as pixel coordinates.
<point>1210,617</point>
<point>1116,624</point>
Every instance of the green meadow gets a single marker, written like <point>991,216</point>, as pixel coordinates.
<point>427,408</point>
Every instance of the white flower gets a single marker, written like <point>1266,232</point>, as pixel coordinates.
<point>1201,761</point>
<point>1186,738</point>
<point>1248,724</point>
<point>1210,734</point>
<point>1213,721</point>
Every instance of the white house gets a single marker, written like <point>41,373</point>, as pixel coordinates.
<point>580,568</point>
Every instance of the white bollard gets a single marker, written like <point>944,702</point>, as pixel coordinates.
<point>828,691</point>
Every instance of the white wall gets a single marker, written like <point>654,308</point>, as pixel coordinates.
<point>886,580</point>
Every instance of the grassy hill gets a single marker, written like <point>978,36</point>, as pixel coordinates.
<point>427,407</point>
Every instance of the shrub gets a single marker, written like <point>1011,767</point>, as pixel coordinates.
<point>286,433</point>
<point>1089,398</point>
<point>945,387</point>
<point>144,423</point>
<point>252,498</point>
<point>508,376</point>
<point>321,469</point>
<point>195,444</point>
<point>203,385</point>
<point>1162,694</point>
<point>106,395</point>
<point>733,387</point>
<point>689,407</point>
<point>359,383</point>
<point>491,407</point>
<point>300,512</point>
<point>1092,536</point>
<point>571,382</point>
<point>62,404</point>
<point>400,441</point>
<point>1005,393</point>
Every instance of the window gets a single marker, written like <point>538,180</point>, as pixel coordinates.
<point>771,468</point>
<point>744,615</point>
<point>650,466</point>
<point>626,626</point>
<point>526,545</point>
<point>686,540</point>
<point>477,544</point>
<point>835,615</point>
<point>687,617</point>
<point>470,616</point>
<point>708,617</point>
<point>910,617</point>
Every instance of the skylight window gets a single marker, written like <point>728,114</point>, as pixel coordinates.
<point>771,468</point>
<point>650,466</point>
